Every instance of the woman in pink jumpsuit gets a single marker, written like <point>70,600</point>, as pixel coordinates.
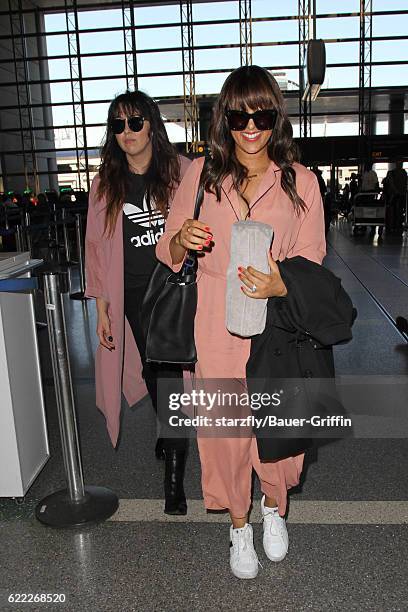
<point>272,188</point>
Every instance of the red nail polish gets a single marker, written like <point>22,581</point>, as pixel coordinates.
<point>207,229</point>
<point>239,268</point>
<point>200,248</point>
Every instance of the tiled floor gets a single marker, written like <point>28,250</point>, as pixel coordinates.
<point>145,564</point>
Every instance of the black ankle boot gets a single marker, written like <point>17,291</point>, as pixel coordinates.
<point>175,498</point>
<point>159,450</point>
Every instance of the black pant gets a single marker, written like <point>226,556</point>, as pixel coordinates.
<point>152,372</point>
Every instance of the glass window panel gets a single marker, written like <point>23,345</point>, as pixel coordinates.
<point>340,27</point>
<point>282,55</point>
<point>213,59</point>
<point>390,25</point>
<point>383,76</point>
<point>102,18</point>
<point>64,138</point>
<point>111,65</point>
<point>389,50</point>
<point>217,34</point>
<point>268,31</point>
<point>150,15</point>
<point>345,6</point>
<point>170,61</point>
<point>337,53</point>
<point>54,22</point>
<point>205,11</point>
<point>287,79</point>
<point>381,126</point>
<point>98,42</point>
<point>210,83</point>
<point>57,45</point>
<point>176,132</point>
<point>341,77</point>
<point>59,69</point>
<point>389,5</point>
<point>162,85</point>
<point>29,23</point>
<point>159,38</point>
<point>264,8</point>
<point>68,179</point>
<point>95,136</point>
<point>105,89</point>
<point>96,113</point>
<point>334,127</point>
<point>62,115</point>
<point>295,128</point>
<point>60,92</point>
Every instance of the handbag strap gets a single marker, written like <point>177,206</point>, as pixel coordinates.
<point>190,262</point>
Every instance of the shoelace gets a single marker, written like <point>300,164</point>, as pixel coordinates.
<point>277,525</point>
<point>245,546</point>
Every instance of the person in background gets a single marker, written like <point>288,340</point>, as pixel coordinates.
<point>319,175</point>
<point>395,191</point>
<point>128,204</point>
<point>369,184</point>
<point>353,187</point>
<point>369,180</point>
<point>253,174</point>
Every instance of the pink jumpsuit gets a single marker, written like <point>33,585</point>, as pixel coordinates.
<point>227,463</point>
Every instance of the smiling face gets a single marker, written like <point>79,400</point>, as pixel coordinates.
<point>134,144</point>
<point>251,140</point>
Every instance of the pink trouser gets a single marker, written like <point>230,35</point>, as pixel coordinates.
<point>226,468</point>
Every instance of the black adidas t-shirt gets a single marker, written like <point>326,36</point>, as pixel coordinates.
<point>142,228</point>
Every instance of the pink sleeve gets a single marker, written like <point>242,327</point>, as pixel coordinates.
<point>311,242</point>
<point>93,246</point>
<point>185,162</point>
<point>182,208</point>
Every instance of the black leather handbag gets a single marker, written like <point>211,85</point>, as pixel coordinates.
<point>169,307</point>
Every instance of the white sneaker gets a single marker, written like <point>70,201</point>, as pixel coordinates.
<point>275,535</point>
<point>243,558</point>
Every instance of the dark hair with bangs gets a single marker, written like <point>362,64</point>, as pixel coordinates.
<point>255,88</point>
<point>163,174</point>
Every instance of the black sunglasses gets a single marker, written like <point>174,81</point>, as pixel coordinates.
<point>135,124</point>
<point>263,119</point>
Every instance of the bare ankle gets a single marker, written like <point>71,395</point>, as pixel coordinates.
<point>239,522</point>
<point>270,502</point>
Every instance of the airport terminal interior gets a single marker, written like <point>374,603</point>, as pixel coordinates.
<point>342,68</point>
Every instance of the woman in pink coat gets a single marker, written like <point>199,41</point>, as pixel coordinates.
<point>128,204</point>
<point>253,174</point>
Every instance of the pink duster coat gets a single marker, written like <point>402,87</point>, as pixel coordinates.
<point>227,464</point>
<point>118,370</point>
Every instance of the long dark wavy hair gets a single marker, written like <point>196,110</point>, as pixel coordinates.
<point>163,174</point>
<point>251,87</point>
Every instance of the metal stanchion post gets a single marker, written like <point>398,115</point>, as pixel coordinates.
<point>23,236</point>
<point>80,295</point>
<point>67,244</point>
<point>77,504</point>
<point>28,231</point>
<point>19,242</point>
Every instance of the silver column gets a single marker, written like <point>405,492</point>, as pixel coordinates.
<point>80,295</point>
<point>75,505</point>
<point>67,244</point>
<point>63,386</point>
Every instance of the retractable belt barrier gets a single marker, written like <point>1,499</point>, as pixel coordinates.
<point>77,504</point>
